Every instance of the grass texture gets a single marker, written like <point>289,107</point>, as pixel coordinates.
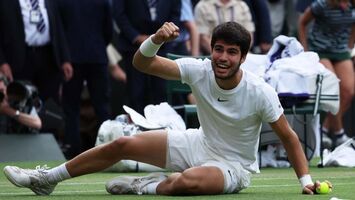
<point>271,183</point>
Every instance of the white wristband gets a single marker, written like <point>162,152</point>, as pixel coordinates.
<point>148,48</point>
<point>305,180</point>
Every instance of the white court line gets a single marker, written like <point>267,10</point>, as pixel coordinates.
<point>99,191</point>
<point>55,192</point>
<point>7,184</point>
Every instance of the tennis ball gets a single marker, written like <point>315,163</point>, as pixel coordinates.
<point>324,188</point>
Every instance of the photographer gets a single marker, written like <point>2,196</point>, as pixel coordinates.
<point>15,120</point>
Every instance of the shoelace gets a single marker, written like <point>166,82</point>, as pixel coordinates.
<point>39,172</point>
<point>42,168</point>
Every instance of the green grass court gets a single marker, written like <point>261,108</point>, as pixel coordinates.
<point>271,183</point>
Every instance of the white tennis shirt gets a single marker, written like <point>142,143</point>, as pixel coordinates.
<point>230,119</point>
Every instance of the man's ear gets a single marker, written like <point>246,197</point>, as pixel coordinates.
<point>243,59</point>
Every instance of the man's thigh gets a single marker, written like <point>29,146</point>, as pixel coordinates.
<point>184,150</point>
<point>148,147</point>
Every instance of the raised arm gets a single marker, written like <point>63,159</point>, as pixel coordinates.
<point>295,153</point>
<point>146,60</point>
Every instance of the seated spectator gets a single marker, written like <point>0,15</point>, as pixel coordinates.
<point>13,120</point>
<point>209,14</point>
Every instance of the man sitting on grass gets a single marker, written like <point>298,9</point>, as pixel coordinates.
<point>217,158</point>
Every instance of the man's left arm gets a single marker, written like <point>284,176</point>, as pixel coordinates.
<point>295,153</point>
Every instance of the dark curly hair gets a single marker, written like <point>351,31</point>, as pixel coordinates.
<point>232,33</point>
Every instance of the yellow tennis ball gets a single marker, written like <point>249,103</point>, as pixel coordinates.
<point>324,188</point>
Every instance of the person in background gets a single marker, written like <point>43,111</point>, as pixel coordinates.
<point>332,36</point>
<point>209,14</point>
<point>217,158</point>
<point>33,46</point>
<point>283,16</point>
<point>301,5</point>
<point>137,20</point>
<point>88,29</point>
<point>261,18</point>
<point>188,41</point>
<point>9,114</point>
<point>113,64</point>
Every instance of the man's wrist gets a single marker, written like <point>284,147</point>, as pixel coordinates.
<point>305,180</point>
<point>149,48</point>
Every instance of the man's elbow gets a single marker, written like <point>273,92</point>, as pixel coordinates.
<point>136,62</point>
<point>140,62</point>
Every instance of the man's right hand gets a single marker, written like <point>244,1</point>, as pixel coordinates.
<point>6,70</point>
<point>168,32</point>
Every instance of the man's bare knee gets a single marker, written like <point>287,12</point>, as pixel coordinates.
<point>119,145</point>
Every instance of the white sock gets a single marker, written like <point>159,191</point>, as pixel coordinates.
<point>58,174</point>
<point>152,188</point>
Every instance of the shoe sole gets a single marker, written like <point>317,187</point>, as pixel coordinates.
<point>115,186</point>
<point>126,180</point>
<point>8,176</point>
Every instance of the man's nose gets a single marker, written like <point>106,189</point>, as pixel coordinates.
<point>223,56</point>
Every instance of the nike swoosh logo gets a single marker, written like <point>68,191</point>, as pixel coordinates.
<point>221,100</point>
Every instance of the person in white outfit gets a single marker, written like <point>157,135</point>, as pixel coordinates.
<point>217,158</point>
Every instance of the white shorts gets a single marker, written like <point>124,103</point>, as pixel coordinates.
<point>186,150</point>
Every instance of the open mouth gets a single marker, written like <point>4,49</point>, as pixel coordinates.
<point>222,66</point>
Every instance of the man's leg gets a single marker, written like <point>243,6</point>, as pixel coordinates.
<point>148,147</point>
<point>193,181</point>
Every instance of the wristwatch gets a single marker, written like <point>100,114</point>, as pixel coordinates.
<point>17,114</point>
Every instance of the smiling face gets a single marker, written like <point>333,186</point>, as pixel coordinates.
<point>226,60</point>
<point>230,43</point>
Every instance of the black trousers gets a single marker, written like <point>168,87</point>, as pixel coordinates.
<point>41,70</point>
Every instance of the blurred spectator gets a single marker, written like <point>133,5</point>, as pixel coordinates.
<point>261,18</point>
<point>301,5</point>
<point>194,2</point>
<point>113,64</point>
<point>88,29</point>
<point>332,36</point>
<point>15,120</point>
<point>283,17</point>
<point>188,41</point>
<point>209,14</point>
<point>137,20</point>
<point>33,46</point>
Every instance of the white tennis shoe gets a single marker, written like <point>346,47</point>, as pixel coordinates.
<point>34,179</point>
<point>133,184</point>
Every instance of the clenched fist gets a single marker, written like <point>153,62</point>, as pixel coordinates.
<point>168,32</point>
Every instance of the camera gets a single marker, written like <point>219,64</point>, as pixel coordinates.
<point>23,96</point>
